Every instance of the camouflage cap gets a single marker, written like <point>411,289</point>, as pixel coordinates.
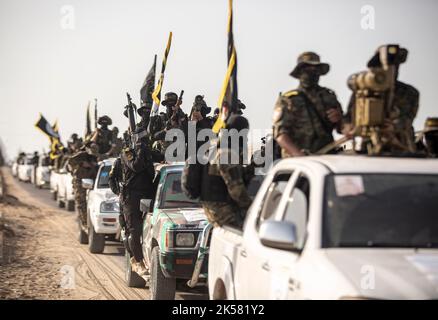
<point>309,58</point>
<point>104,120</point>
<point>144,108</point>
<point>200,105</point>
<point>431,124</point>
<point>169,97</point>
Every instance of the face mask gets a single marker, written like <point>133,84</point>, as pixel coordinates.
<point>309,79</point>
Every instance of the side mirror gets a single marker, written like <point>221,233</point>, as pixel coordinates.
<point>278,234</point>
<point>88,184</point>
<point>145,204</point>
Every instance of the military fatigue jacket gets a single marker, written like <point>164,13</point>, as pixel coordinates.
<point>302,116</point>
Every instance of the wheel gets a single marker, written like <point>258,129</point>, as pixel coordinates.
<point>133,280</point>
<point>71,205</point>
<point>96,241</point>
<point>61,204</point>
<point>162,288</point>
<point>83,236</point>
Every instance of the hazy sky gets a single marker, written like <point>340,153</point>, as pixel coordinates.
<point>49,69</point>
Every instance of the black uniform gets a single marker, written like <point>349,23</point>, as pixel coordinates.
<point>137,183</point>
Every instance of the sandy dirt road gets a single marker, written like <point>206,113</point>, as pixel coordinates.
<point>44,260</point>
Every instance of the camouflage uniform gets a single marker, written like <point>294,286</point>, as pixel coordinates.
<point>160,124</point>
<point>104,140</point>
<point>233,211</point>
<point>116,147</point>
<point>427,140</point>
<point>302,116</point>
<point>224,194</point>
<point>136,172</point>
<point>103,136</point>
<point>83,166</point>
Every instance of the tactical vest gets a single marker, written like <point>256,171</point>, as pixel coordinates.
<point>213,188</point>
<point>104,139</point>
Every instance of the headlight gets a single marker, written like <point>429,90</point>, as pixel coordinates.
<point>110,206</point>
<point>185,239</point>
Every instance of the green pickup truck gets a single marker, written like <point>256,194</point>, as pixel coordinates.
<point>174,230</point>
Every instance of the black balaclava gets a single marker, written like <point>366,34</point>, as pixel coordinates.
<point>309,78</point>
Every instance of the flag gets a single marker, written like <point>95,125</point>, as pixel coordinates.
<point>148,86</point>
<point>228,95</point>
<point>46,128</point>
<point>156,95</point>
<point>88,122</point>
<point>95,114</point>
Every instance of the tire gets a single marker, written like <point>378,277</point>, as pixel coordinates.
<point>133,280</point>
<point>71,205</point>
<point>61,204</point>
<point>83,236</point>
<point>96,241</point>
<point>161,288</point>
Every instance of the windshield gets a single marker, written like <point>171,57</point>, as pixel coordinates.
<point>172,195</point>
<point>381,210</point>
<point>104,177</point>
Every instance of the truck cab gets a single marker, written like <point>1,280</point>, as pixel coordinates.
<point>172,232</point>
<point>103,210</point>
<point>334,227</point>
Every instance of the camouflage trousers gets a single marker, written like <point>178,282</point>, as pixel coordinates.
<point>81,203</point>
<point>223,213</point>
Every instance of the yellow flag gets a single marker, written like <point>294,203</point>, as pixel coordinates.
<point>156,95</point>
<point>228,92</point>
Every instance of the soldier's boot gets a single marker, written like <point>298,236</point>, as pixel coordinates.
<point>139,267</point>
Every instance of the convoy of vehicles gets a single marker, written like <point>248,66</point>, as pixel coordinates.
<point>334,227</point>
<point>320,227</point>
<point>103,210</point>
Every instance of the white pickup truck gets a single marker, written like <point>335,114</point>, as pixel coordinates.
<point>41,173</point>
<point>103,210</point>
<point>61,186</point>
<point>25,168</point>
<point>334,227</point>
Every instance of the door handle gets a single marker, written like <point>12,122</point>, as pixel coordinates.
<point>243,253</point>
<point>266,267</point>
